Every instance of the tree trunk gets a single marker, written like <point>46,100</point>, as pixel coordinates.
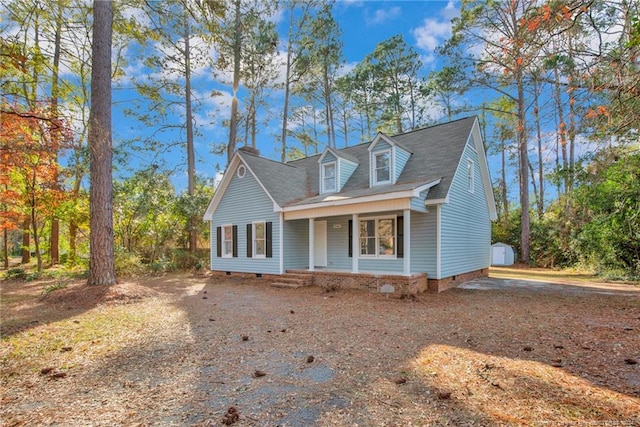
<point>287,89</point>
<point>191,157</point>
<point>54,252</point>
<point>233,124</point>
<point>26,241</point>
<point>5,248</point>
<point>524,171</point>
<point>536,112</point>
<point>101,265</point>
<point>36,239</point>
<point>562,128</point>
<point>503,193</point>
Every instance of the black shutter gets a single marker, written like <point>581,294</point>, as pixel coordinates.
<point>235,241</point>
<point>269,231</point>
<point>350,238</point>
<point>219,241</point>
<point>400,227</point>
<point>249,240</point>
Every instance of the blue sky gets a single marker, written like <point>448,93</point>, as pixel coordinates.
<point>424,26</point>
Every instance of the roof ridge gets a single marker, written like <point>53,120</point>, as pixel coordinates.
<point>266,158</point>
<point>433,126</point>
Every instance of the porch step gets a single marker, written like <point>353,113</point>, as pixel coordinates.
<point>293,280</point>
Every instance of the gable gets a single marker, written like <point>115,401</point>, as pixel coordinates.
<point>383,150</point>
<point>232,175</point>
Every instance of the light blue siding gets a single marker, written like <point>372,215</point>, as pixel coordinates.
<point>401,159</point>
<point>423,242</point>
<point>244,202</point>
<point>392,265</point>
<point>466,227</point>
<point>417,203</point>
<point>381,145</point>
<point>328,158</point>
<point>296,244</point>
<point>346,170</point>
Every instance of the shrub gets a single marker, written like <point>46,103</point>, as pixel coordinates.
<point>128,263</point>
<point>15,273</point>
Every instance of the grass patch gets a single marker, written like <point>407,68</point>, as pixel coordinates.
<point>48,289</point>
<point>91,335</point>
<point>543,274</point>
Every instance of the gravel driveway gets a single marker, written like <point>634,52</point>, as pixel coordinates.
<point>538,286</point>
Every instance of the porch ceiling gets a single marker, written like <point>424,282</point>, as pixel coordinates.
<point>350,209</point>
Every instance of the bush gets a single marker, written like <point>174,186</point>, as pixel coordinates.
<point>15,273</point>
<point>128,263</point>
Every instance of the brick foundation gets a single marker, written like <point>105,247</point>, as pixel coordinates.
<point>402,285</point>
<point>439,285</point>
<point>335,280</point>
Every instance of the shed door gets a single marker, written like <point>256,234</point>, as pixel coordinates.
<point>499,255</point>
<point>320,243</point>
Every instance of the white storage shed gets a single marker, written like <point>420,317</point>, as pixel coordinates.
<point>502,254</point>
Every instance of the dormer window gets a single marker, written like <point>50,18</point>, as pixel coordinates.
<point>329,177</point>
<point>382,167</point>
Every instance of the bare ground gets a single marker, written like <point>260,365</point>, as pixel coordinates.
<point>183,350</point>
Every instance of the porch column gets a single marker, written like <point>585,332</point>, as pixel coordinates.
<point>355,243</point>
<point>407,241</point>
<point>311,243</point>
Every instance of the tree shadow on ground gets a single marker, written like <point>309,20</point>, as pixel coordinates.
<point>462,357</point>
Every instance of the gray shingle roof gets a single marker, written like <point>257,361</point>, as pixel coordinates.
<point>436,152</point>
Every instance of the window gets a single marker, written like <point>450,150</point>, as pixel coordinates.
<point>328,177</point>
<point>470,176</point>
<point>382,167</point>
<point>227,241</point>
<point>378,237</point>
<point>241,171</point>
<point>259,239</point>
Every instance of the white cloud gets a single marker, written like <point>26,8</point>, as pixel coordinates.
<point>434,31</point>
<point>431,34</point>
<point>382,16</point>
<point>450,11</point>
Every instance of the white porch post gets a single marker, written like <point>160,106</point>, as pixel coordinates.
<point>311,243</point>
<point>281,241</point>
<point>355,246</point>
<point>407,241</point>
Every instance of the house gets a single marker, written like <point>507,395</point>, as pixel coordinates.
<point>409,211</point>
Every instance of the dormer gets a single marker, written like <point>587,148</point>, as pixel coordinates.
<point>387,159</point>
<point>335,169</point>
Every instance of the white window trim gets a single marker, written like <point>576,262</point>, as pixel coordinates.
<point>254,240</point>
<point>241,171</point>
<point>223,241</point>
<point>322,180</point>
<point>374,175</point>
<point>395,237</point>
<point>470,176</point>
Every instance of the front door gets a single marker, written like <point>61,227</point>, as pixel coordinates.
<point>320,243</point>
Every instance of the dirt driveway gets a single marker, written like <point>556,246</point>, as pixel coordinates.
<point>182,350</point>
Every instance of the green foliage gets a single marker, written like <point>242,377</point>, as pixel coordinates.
<point>551,244</point>
<point>128,263</point>
<point>15,273</point>
<point>609,202</point>
<point>48,289</point>
<point>596,226</point>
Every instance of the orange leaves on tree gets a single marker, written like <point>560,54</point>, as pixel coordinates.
<point>599,111</point>
<point>29,145</point>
